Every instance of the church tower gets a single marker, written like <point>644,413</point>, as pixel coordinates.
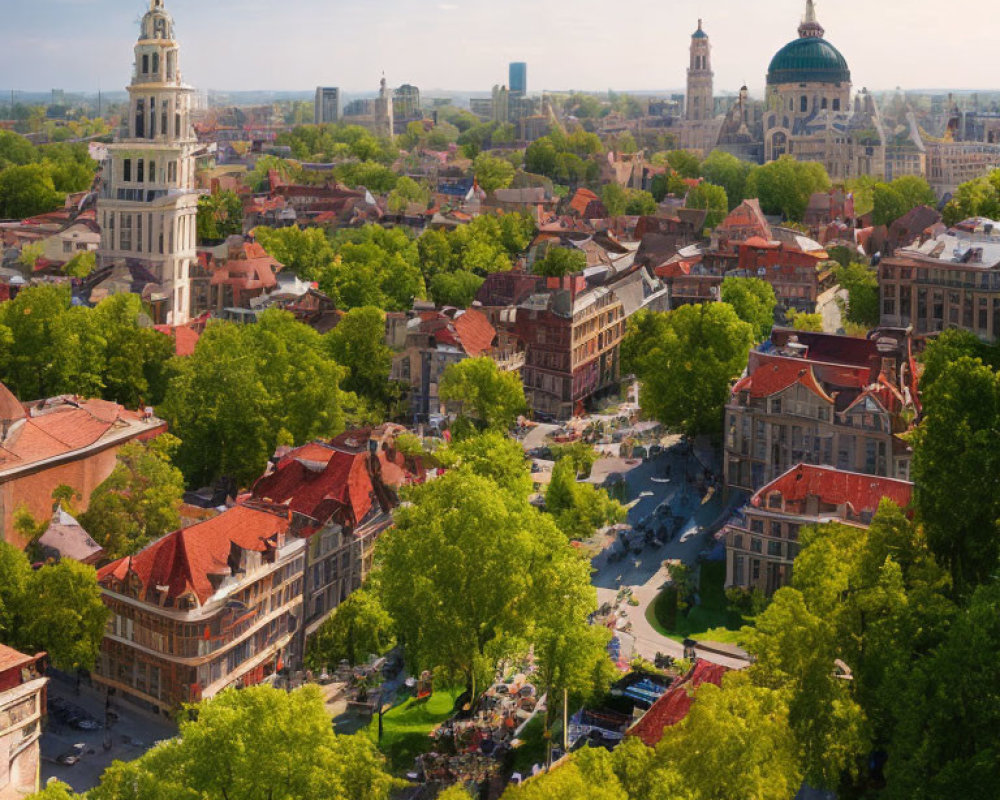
<point>384,123</point>
<point>700,97</point>
<point>148,205</point>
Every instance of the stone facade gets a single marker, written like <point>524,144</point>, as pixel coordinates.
<point>22,706</point>
<point>148,204</point>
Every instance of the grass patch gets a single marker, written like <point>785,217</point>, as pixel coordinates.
<point>712,620</point>
<point>405,727</point>
<point>533,751</point>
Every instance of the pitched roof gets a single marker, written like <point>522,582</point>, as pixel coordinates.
<point>774,374</point>
<point>12,659</point>
<point>475,332</point>
<point>183,560</point>
<point>674,705</point>
<point>68,538</point>
<point>836,487</point>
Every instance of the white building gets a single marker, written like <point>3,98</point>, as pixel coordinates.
<point>148,204</point>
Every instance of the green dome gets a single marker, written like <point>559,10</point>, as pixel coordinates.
<point>808,60</point>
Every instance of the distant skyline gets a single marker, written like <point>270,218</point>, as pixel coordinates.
<point>466,45</point>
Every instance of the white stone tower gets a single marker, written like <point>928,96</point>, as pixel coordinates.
<point>148,204</point>
<point>700,94</point>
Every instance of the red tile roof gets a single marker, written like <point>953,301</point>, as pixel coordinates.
<point>674,705</point>
<point>836,487</point>
<point>184,559</point>
<point>582,199</point>
<point>760,243</point>
<point>185,339</point>
<point>475,332</point>
<point>774,374</point>
<point>12,659</point>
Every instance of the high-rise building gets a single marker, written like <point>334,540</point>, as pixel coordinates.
<point>148,204</point>
<point>406,102</point>
<point>700,103</point>
<point>518,78</point>
<point>384,124</point>
<point>328,105</point>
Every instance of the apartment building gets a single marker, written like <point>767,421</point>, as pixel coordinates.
<point>22,706</point>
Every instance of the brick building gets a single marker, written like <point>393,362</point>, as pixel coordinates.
<point>949,281</point>
<point>22,706</point>
<point>820,399</point>
<point>763,539</point>
<point>62,440</point>
<point>572,328</point>
<point>206,607</point>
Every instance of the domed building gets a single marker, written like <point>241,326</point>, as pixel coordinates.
<point>809,113</point>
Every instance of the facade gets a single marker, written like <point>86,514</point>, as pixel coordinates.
<point>950,164</point>
<point>518,78</point>
<point>700,104</point>
<point>203,608</point>
<point>22,706</point>
<point>63,440</point>
<point>406,104</point>
<point>384,114</point>
<point>329,105</point>
<point>946,281</point>
<point>343,493</point>
<point>763,539</point>
<point>147,205</point>
<point>572,328</point>
<point>811,398</point>
<point>435,341</point>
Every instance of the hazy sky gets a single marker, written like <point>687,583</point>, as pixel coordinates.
<point>466,44</point>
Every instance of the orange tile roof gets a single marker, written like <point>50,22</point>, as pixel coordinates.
<point>673,706</point>
<point>836,487</point>
<point>475,332</point>
<point>773,375</point>
<point>12,659</point>
<point>184,559</point>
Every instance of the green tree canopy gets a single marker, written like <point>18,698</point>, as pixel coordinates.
<point>861,284</point>
<point>484,393</point>
<point>560,261</point>
<point>359,627</point>
<point>140,501</point>
<point>711,197</point>
<point>491,455</point>
<point>456,289</point>
<point>27,191</point>
<point>219,215</point>
<point>955,456</point>
<point>579,508</point>
<point>731,173</point>
<point>685,361</point>
<point>754,302</point>
<point>684,163</point>
<point>492,173</point>
<point>358,344</point>
<point>307,253</point>
<point>56,608</point>
<point>246,387</point>
<point>976,198</point>
<point>256,744</point>
<point>785,186</point>
<point>407,191</point>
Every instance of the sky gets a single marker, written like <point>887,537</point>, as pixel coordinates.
<point>83,45</point>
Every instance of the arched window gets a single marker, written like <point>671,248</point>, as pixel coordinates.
<point>804,104</point>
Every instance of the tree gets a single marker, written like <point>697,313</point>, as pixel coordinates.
<point>685,361</point>
<point>438,573</point>
<point>140,501</point>
<point>27,191</point>
<point>376,266</point>
<point>358,343</point>
<point>492,173</point>
<point>801,321</point>
<point>359,627</point>
<point>255,744</point>
<point>639,203</point>
<point>580,453</point>
<point>785,186</point>
<point>559,261</point>
<point>889,204</point>
<point>754,302</point>
<point>711,197</point>
<point>307,253</point>
<point>457,289</point>
<point>614,198</point>
<point>407,191</point>
<point>861,284</point>
<point>975,198</point>
<point>80,265</point>
<point>492,455</point>
<point>29,255</point>
<point>579,508</point>
<point>56,608</point>
<point>731,173</point>
<point>219,215</point>
<point>928,759</point>
<point>684,163</point>
<point>947,348</point>
<point>954,458</point>
<point>244,388</point>
<point>492,398</point>
<point>586,775</point>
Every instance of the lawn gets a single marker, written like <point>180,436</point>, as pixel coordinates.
<point>405,727</point>
<point>712,620</point>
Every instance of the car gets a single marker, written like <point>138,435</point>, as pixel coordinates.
<point>72,756</point>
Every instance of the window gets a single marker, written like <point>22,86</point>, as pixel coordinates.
<point>177,125</point>
<point>127,170</point>
<point>156,63</point>
<point>755,545</point>
<point>152,172</point>
<point>774,500</point>
<point>774,549</point>
<point>836,105</point>
<point>776,529</point>
<point>171,171</point>
<point>757,526</point>
<point>145,64</point>
<point>67,247</point>
<point>126,232</point>
<point>139,170</point>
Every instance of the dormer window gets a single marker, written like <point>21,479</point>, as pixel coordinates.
<point>774,500</point>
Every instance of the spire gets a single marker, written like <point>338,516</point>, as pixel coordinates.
<point>810,27</point>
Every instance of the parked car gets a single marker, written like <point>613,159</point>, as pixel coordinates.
<point>72,756</point>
